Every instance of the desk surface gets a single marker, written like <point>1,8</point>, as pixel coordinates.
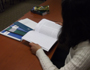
<point>16,56</point>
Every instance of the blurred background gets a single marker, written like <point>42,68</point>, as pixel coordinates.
<point>12,10</point>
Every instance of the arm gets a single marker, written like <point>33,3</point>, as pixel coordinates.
<point>80,60</point>
<point>45,61</point>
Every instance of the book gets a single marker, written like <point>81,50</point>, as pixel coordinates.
<point>18,29</point>
<point>41,10</point>
<point>26,28</point>
<point>45,34</point>
<point>28,22</point>
<point>11,35</point>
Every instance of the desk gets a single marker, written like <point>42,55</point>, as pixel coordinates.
<point>16,56</point>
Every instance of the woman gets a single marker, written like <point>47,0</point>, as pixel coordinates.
<point>75,37</point>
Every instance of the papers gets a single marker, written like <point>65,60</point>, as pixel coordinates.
<point>18,29</point>
<point>28,22</point>
<point>45,34</point>
<point>46,42</point>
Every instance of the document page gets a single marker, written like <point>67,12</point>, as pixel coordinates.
<point>28,22</point>
<point>48,28</point>
<point>46,42</point>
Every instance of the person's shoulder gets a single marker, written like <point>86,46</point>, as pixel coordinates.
<point>84,44</point>
<point>83,47</point>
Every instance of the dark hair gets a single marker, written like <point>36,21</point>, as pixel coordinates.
<point>76,22</point>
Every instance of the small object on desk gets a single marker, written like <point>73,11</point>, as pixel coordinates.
<point>41,10</point>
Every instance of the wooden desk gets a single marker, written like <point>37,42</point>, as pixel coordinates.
<point>16,56</point>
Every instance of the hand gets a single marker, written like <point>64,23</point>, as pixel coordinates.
<point>59,23</point>
<point>34,47</point>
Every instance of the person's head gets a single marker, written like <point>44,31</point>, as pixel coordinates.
<point>76,22</point>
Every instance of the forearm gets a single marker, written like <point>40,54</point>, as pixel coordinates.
<point>45,61</point>
<point>80,60</point>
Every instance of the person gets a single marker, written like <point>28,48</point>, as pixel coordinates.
<point>74,37</point>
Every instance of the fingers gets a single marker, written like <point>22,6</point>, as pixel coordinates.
<point>34,47</point>
<point>33,44</point>
<point>59,23</point>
